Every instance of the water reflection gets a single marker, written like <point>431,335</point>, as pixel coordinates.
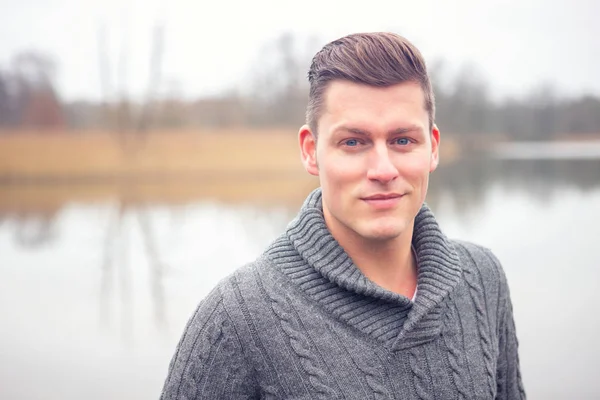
<point>468,181</point>
<point>107,285</point>
<point>116,248</point>
<point>34,229</point>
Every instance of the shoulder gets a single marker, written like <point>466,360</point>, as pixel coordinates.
<point>484,278</point>
<point>478,253</point>
<point>482,269</point>
<point>242,286</point>
<point>227,309</point>
<point>247,282</point>
<point>241,298</point>
<point>211,356</point>
<point>479,259</point>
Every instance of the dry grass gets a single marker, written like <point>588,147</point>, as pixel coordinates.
<point>79,155</point>
<point>47,199</point>
<point>43,171</point>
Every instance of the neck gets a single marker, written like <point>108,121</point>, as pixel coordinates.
<point>388,263</point>
<point>316,263</point>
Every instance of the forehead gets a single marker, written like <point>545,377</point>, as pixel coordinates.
<point>354,102</point>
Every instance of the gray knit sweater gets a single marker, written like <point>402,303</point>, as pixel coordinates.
<point>303,322</point>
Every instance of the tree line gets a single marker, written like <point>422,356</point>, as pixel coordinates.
<point>276,96</point>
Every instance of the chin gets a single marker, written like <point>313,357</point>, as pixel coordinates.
<point>382,232</point>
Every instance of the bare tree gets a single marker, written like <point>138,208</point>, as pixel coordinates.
<point>104,70</point>
<point>37,102</point>
<point>131,135</point>
<point>5,102</point>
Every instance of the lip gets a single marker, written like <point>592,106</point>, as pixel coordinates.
<point>382,196</point>
<point>382,201</point>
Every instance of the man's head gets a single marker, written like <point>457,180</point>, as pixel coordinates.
<point>375,59</point>
<point>370,134</point>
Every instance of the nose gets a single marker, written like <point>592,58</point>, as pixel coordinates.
<point>382,168</point>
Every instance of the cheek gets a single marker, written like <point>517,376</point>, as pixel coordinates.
<point>342,168</point>
<point>415,167</point>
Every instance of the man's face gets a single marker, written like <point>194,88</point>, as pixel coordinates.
<point>373,156</point>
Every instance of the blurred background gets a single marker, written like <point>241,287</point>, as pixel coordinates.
<point>148,148</point>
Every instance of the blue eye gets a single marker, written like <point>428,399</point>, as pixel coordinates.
<point>351,142</point>
<point>402,141</point>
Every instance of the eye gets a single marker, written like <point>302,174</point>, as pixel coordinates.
<point>351,142</point>
<point>402,141</point>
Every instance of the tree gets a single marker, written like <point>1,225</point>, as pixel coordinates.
<point>280,91</point>
<point>5,101</point>
<point>37,102</point>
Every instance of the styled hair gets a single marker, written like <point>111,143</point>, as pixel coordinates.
<point>375,59</point>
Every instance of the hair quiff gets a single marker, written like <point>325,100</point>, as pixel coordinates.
<point>375,59</point>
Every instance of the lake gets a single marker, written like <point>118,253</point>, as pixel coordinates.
<point>95,294</point>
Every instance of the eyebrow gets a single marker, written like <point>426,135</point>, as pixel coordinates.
<point>358,131</point>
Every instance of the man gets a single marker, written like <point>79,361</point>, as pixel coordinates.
<point>362,296</point>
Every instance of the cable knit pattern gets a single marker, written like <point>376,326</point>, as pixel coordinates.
<point>302,321</point>
<point>455,355</point>
<point>208,340</point>
<point>299,342</point>
<point>227,350</point>
<point>373,376</point>
<point>518,371</point>
<point>374,381</point>
<point>191,363</point>
<point>420,375</point>
<point>478,297</point>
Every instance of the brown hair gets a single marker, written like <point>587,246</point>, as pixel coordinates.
<point>376,59</point>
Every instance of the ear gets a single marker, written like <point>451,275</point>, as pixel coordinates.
<point>435,148</point>
<point>308,150</point>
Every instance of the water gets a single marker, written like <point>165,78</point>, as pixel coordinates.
<point>547,150</point>
<point>94,295</point>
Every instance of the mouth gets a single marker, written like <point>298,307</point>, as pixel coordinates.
<point>383,196</point>
<point>382,201</point>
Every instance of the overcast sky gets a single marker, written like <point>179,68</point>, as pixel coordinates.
<point>212,45</point>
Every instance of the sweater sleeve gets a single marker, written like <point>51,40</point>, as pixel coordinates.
<point>509,382</point>
<point>209,362</point>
